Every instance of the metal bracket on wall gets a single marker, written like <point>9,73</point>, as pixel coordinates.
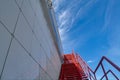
<point>49,2</point>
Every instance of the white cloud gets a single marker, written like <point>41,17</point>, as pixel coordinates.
<point>56,4</point>
<point>64,26</point>
<point>82,10</point>
<point>63,18</point>
<point>66,18</point>
<point>90,61</point>
<point>62,34</point>
<point>63,15</point>
<point>107,16</point>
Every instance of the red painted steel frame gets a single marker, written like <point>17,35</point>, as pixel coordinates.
<point>71,68</point>
<point>82,67</point>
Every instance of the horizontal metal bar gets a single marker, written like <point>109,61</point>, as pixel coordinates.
<point>109,71</point>
<point>110,62</point>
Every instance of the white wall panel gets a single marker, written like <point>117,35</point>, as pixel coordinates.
<point>19,65</point>
<point>8,13</point>
<point>40,44</point>
<point>28,12</point>
<point>24,33</point>
<point>43,75</point>
<point>5,38</point>
<point>33,4</point>
<point>38,53</point>
<point>19,2</point>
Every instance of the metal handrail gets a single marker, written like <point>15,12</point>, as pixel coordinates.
<point>88,71</point>
<point>104,58</point>
<point>109,71</point>
<point>105,73</point>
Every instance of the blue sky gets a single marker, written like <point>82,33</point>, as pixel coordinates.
<point>90,27</point>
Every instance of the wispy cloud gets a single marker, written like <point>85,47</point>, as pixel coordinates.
<point>114,41</point>
<point>107,16</point>
<point>90,61</point>
<point>83,8</point>
<point>66,18</point>
<point>92,24</point>
<point>63,18</point>
<point>62,34</point>
<point>56,4</point>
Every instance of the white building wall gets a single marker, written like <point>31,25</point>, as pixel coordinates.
<point>27,47</point>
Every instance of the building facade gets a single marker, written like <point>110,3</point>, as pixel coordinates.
<point>30,47</point>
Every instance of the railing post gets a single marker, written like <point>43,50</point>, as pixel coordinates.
<point>95,76</point>
<point>90,76</point>
<point>104,71</point>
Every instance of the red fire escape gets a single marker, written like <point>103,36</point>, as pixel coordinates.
<point>75,68</point>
